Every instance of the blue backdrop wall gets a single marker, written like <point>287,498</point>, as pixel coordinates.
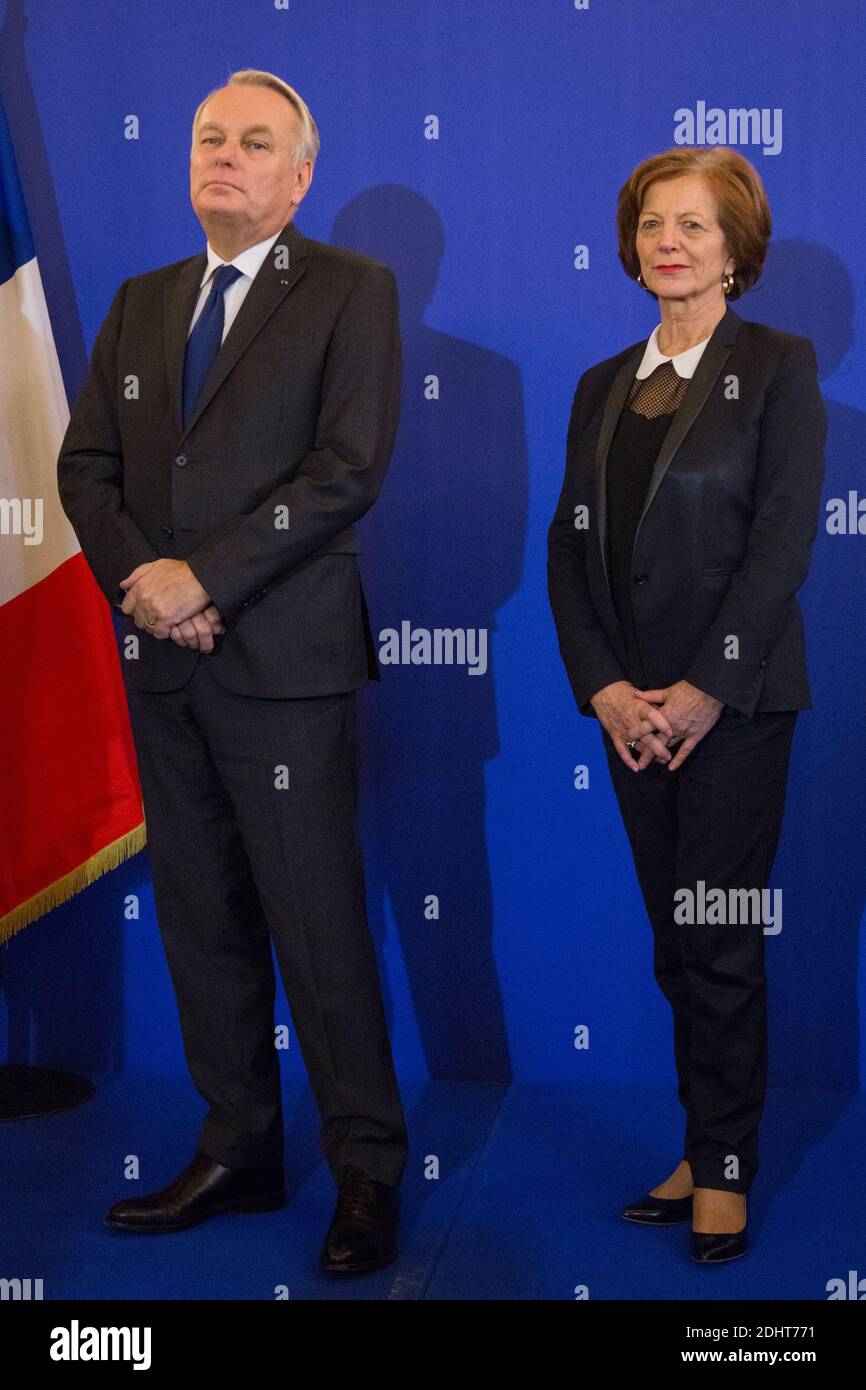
<point>541,110</point>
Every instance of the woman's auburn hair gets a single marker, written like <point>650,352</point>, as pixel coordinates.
<point>742,208</point>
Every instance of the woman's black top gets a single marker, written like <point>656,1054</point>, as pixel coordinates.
<point>640,430</point>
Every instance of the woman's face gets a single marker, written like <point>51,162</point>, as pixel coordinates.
<point>679,243</point>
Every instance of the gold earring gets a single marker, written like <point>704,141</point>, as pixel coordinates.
<point>727,283</point>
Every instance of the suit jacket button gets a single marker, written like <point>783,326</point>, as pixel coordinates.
<point>181,460</point>
<point>641,578</point>
<point>167,531</point>
<point>763,663</point>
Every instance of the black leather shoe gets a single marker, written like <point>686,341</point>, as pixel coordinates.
<point>659,1211</point>
<point>363,1234</point>
<point>204,1188</point>
<point>715,1247</point>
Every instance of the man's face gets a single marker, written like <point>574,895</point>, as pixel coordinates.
<point>680,245</point>
<point>241,173</point>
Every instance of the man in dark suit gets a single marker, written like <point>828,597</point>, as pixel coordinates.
<point>239,417</point>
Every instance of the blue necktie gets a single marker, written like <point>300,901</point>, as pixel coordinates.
<point>205,339</point>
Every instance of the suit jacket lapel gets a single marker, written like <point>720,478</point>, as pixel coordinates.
<point>712,360</point>
<point>270,286</point>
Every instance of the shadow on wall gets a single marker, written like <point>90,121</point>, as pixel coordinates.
<point>443,548</point>
<point>821,867</point>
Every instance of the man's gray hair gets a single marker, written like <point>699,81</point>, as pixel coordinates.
<point>308,145</point>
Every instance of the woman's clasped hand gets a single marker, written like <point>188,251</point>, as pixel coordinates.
<point>654,721</point>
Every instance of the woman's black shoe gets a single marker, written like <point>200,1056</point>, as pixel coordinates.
<point>659,1211</point>
<point>713,1248</point>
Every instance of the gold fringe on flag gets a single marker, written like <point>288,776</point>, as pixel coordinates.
<point>64,888</point>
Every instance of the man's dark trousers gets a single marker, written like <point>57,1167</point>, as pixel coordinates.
<point>251,809</point>
<point>716,819</point>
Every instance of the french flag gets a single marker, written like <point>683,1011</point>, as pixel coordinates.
<point>70,800</point>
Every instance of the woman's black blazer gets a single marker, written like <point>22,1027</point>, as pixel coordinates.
<point>727,527</point>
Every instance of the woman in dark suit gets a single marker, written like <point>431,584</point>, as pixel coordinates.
<point>682,534</point>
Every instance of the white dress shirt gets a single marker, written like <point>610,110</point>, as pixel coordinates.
<point>684,362</point>
<point>248,263</point>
